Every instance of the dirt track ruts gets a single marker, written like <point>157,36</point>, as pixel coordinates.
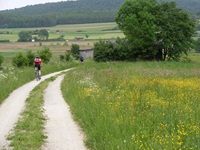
<point>62,132</point>
<point>12,107</point>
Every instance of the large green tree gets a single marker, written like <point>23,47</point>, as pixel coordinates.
<point>176,29</point>
<point>155,30</point>
<point>43,34</point>
<point>24,36</point>
<point>75,50</point>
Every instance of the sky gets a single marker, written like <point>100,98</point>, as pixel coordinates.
<point>12,4</point>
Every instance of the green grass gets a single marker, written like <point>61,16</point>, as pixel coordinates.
<point>94,30</point>
<point>142,105</point>
<point>123,105</point>
<point>29,130</point>
<point>8,54</point>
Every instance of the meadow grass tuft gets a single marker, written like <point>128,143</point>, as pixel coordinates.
<point>142,105</point>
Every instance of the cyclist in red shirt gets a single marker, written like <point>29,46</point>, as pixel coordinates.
<point>37,64</point>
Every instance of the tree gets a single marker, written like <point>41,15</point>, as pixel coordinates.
<point>155,30</point>
<point>137,20</point>
<point>87,36</point>
<point>24,36</point>
<point>176,29</point>
<point>198,45</point>
<point>75,51</point>
<point>43,34</point>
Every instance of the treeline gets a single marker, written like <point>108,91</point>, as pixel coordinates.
<point>14,21</point>
<point>71,12</point>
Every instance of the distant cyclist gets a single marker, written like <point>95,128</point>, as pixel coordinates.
<point>37,64</point>
<point>81,59</point>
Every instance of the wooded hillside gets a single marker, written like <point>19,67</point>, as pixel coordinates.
<point>72,12</point>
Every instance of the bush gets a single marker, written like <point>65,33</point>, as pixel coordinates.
<point>62,57</point>
<point>45,54</point>
<point>1,60</point>
<point>68,56</point>
<point>75,51</point>
<point>30,58</point>
<point>103,51</point>
<point>20,60</point>
<point>112,51</point>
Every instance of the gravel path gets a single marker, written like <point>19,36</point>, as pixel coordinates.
<point>62,131</point>
<point>12,107</point>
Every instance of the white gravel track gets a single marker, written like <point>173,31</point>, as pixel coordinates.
<point>61,130</point>
<point>12,107</point>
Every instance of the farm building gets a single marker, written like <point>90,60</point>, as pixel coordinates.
<point>87,53</point>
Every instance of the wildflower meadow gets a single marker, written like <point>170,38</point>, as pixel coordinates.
<point>141,105</point>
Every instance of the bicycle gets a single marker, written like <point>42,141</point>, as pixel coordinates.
<point>37,72</point>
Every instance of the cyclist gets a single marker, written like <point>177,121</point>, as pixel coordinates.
<point>81,59</point>
<point>37,64</point>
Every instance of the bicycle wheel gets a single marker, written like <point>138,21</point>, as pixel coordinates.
<point>37,75</point>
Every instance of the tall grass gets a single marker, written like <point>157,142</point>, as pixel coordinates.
<point>143,105</point>
<point>12,78</point>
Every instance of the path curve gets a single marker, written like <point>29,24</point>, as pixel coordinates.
<point>62,132</point>
<point>12,107</point>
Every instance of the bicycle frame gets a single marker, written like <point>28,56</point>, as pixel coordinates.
<point>37,72</point>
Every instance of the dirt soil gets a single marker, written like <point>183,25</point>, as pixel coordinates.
<point>12,107</point>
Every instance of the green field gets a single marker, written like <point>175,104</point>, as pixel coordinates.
<point>95,32</point>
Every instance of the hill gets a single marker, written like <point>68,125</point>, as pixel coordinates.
<point>191,6</point>
<point>72,12</point>
<point>68,12</point>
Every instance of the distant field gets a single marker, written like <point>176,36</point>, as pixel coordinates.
<point>94,31</point>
